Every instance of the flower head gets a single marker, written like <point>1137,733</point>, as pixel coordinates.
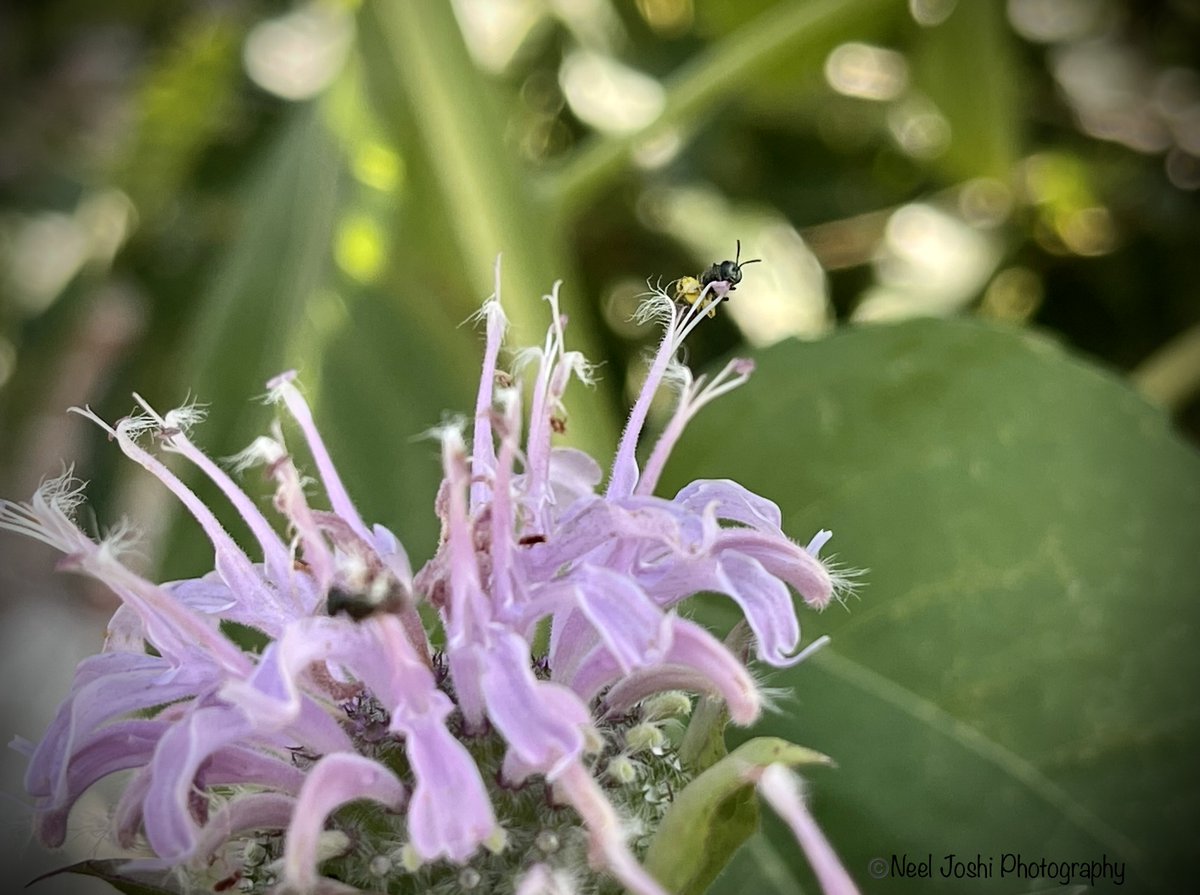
<point>480,759</point>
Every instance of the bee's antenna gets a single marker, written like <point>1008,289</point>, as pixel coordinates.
<point>738,262</point>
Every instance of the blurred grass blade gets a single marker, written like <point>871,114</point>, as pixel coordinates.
<point>968,67</point>
<point>278,259</point>
<point>418,49</point>
<point>417,63</point>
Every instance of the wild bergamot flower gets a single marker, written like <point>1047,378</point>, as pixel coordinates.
<point>353,754</point>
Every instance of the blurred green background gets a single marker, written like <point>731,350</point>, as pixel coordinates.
<point>976,320</point>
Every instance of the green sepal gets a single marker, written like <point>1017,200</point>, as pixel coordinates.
<point>714,814</point>
<point>703,743</point>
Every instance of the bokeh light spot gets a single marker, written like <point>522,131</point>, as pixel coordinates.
<point>359,248</point>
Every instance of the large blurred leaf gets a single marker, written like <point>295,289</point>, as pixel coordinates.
<point>1019,673</point>
<point>387,377</point>
<point>187,98</point>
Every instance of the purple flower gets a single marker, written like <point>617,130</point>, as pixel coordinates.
<point>350,702</point>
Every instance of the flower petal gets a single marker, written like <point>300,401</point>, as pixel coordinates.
<point>629,624</point>
<point>542,722</point>
<point>696,660</point>
<point>332,782</point>
<point>780,787</point>
<point>785,560</point>
<point>766,603</point>
<point>450,814</point>
<point>118,747</point>
<point>170,825</point>
<point>734,503</point>
<point>606,838</point>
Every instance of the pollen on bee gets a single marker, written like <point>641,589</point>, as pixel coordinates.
<point>689,290</point>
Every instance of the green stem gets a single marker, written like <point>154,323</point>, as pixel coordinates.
<point>1171,376</point>
<point>777,35</point>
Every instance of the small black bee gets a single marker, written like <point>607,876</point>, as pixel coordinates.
<point>360,605</point>
<point>688,289</point>
<point>729,271</point>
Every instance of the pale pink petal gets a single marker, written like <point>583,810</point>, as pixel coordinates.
<point>608,849</point>
<point>542,722</point>
<point>245,813</point>
<point>483,451</point>
<point>170,826</point>
<point>450,814</point>
<point>332,782</point>
<point>118,747</point>
<point>339,499</point>
<point>695,655</point>
<point>780,787</point>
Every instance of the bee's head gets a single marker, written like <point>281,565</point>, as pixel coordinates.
<point>731,271</point>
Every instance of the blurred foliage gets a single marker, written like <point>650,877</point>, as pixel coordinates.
<point>198,196</point>
<point>1016,675</point>
<point>194,196</point>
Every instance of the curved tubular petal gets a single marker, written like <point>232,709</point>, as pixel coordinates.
<point>695,655</point>
<point>783,559</point>
<point>766,603</point>
<point>607,847</point>
<point>127,744</point>
<point>242,765</point>
<point>275,552</point>
<point>232,765</point>
<point>734,503</point>
<point>167,808</point>
<point>439,826</point>
<point>339,499</point>
<point>272,693</point>
<point>230,561</point>
<point>541,721</point>
<point>619,614</point>
<point>244,813</point>
<point>106,686</point>
<point>483,450</point>
<point>332,782</point>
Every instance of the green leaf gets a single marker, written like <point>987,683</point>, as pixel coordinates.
<point>714,815</point>
<point>1018,674</point>
<point>186,99</point>
<point>107,871</point>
